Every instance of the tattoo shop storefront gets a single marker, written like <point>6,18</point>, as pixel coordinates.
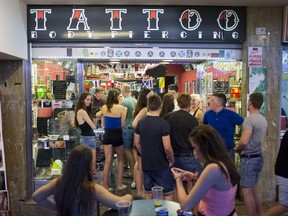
<point>78,48</point>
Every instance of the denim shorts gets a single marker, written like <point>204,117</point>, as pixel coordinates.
<point>161,178</point>
<point>283,190</point>
<point>128,138</point>
<point>188,163</point>
<point>250,169</point>
<point>89,141</point>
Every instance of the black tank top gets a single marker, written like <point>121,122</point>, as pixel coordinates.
<point>86,130</point>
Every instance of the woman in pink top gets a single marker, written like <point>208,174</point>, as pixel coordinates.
<point>215,189</point>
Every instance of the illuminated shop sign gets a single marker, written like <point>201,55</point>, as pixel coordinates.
<point>136,24</point>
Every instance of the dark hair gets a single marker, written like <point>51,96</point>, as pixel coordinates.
<point>112,98</point>
<point>256,100</point>
<point>184,100</point>
<point>76,183</point>
<point>173,87</point>
<point>168,104</point>
<point>214,150</point>
<point>154,102</point>
<point>142,101</point>
<point>135,93</point>
<point>222,98</point>
<point>81,105</point>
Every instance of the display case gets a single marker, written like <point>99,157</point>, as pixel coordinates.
<point>54,91</point>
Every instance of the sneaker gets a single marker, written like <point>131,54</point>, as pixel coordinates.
<point>133,185</point>
<point>121,187</point>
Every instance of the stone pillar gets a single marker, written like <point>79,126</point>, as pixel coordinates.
<point>271,19</point>
<point>12,85</point>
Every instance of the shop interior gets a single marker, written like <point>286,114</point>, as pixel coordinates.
<point>56,86</point>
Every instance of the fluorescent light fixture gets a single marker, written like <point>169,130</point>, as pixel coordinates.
<point>167,60</point>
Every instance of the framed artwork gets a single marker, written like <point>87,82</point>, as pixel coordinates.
<point>187,87</point>
<point>193,87</point>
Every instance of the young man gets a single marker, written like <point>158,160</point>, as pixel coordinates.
<point>250,147</point>
<point>223,120</point>
<point>181,124</point>
<point>98,101</point>
<point>174,90</point>
<point>152,140</point>
<point>128,132</point>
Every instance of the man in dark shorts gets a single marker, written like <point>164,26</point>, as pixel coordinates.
<point>152,140</point>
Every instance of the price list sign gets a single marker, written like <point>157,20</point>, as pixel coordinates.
<point>59,89</point>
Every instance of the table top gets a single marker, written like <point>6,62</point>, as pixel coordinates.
<point>145,207</point>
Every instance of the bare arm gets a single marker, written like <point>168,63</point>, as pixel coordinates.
<point>137,142</point>
<point>41,195</point>
<point>245,137</point>
<point>168,149</point>
<point>109,199</point>
<point>123,116</point>
<point>207,179</point>
<point>83,116</point>
<point>139,116</point>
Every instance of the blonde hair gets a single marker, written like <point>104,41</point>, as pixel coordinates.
<point>126,88</point>
<point>198,99</point>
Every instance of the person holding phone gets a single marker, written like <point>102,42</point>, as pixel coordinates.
<point>216,187</point>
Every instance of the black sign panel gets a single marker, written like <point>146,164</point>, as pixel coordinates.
<point>221,87</point>
<point>59,89</point>
<point>136,24</point>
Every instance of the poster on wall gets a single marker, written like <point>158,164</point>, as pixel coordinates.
<point>258,83</point>
<point>4,195</point>
<point>255,56</point>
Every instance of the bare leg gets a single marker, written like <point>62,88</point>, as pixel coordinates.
<point>169,197</point>
<point>257,200</point>
<point>131,160</point>
<point>250,201</point>
<point>108,151</point>
<point>276,210</point>
<point>138,176</point>
<point>120,157</point>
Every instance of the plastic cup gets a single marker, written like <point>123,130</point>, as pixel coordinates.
<point>157,195</point>
<point>124,208</point>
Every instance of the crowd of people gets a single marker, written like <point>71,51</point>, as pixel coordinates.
<point>171,142</point>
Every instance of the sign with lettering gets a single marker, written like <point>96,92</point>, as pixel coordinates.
<point>59,89</point>
<point>255,56</point>
<point>136,24</point>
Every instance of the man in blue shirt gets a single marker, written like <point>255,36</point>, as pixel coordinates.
<point>223,120</point>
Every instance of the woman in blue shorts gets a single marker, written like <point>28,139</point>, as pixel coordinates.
<point>84,121</point>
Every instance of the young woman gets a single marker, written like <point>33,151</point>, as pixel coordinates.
<point>84,121</point>
<point>168,104</point>
<point>114,116</point>
<point>216,187</point>
<point>139,113</point>
<point>75,192</point>
<point>195,108</point>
